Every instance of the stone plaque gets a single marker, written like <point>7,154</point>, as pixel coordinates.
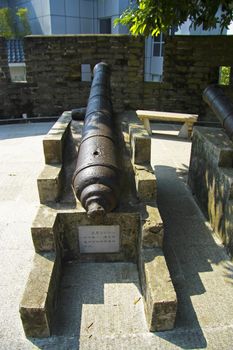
<point>99,239</point>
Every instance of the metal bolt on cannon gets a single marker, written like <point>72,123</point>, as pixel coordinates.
<point>95,180</point>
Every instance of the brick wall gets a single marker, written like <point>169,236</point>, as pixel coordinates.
<point>190,64</point>
<point>54,73</point>
<point>54,70</point>
<point>15,98</point>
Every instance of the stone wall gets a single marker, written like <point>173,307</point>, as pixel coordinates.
<point>54,73</point>
<point>54,69</point>
<point>15,98</point>
<point>191,63</point>
<point>211,180</point>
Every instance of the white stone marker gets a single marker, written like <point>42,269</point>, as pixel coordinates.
<point>99,239</point>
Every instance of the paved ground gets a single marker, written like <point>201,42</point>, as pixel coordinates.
<point>21,160</point>
<point>105,316</point>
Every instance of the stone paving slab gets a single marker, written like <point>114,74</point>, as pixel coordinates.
<point>199,265</point>
<point>21,161</point>
<point>109,300</point>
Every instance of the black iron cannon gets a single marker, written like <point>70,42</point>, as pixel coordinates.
<point>95,180</point>
<point>221,105</point>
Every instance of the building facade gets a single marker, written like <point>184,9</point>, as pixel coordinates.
<point>72,16</point>
<point>97,16</point>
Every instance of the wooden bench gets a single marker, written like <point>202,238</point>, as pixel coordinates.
<point>187,119</point>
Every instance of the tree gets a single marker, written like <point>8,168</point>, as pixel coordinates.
<point>14,23</point>
<point>6,23</point>
<point>151,17</point>
<point>24,26</point>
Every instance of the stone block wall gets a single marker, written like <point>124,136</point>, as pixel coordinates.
<point>211,180</point>
<point>54,73</point>
<point>190,64</point>
<point>54,70</point>
<point>15,98</point>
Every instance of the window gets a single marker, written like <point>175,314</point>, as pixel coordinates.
<point>85,72</point>
<point>158,46</point>
<point>105,26</point>
<point>157,78</point>
<point>17,72</point>
<point>224,75</point>
<point>15,56</point>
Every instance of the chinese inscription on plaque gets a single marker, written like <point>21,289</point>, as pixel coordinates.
<point>99,239</point>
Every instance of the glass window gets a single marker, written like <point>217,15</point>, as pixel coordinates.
<point>17,72</point>
<point>156,51</point>
<point>158,45</point>
<point>105,26</point>
<point>85,72</point>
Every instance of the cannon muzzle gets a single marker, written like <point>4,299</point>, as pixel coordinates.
<point>95,180</point>
<point>222,107</point>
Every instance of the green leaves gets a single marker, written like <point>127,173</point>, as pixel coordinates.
<point>6,23</point>
<point>23,20</point>
<point>151,17</point>
<point>9,27</point>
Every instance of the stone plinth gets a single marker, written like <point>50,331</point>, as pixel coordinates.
<point>152,226</point>
<point>39,298</point>
<point>49,183</point>
<point>211,179</point>
<point>145,182</point>
<point>140,144</point>
<point>53,142</point>
<point>159,295</point>
<point>63,231</point>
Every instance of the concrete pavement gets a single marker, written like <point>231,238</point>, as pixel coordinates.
<point>21,160</point>
<point>202,272</point>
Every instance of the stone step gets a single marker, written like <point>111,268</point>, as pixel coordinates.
<point>39,298</point>
<point>49,183</point>
<point>53,142</point>
<point>159,294</point>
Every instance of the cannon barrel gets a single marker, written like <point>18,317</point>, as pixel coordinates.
<point>95,180</point>
<point>221,105</point>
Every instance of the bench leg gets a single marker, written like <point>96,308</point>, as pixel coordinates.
<point>190,129</point>
<point>146,123</point>
<point>184,131</point>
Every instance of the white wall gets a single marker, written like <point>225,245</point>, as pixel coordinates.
<point>188,29</point>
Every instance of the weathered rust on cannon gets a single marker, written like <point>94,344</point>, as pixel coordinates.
<point>222,107</point>
<point>95,180</point>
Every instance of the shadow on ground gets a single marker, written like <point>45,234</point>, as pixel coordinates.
<point>24,130</point>
<point>191,252</point>
<point>97,300</point>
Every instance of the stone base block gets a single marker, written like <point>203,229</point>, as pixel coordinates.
<point>63,230</point>
<point>45,230</point>
<point>159,296</point>
<point>53,142</point>
<point>49,183</point>
<point>59,230</point>
<point>145,181</point>
<point>140,144</point>
<point>152,227</point>
<point>211,179</point>
<point>39,298</point>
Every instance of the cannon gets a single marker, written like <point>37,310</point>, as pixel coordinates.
<point>221,105</point>
<point>95,180</point>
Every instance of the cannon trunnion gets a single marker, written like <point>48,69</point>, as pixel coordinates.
<point>95,180</point>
